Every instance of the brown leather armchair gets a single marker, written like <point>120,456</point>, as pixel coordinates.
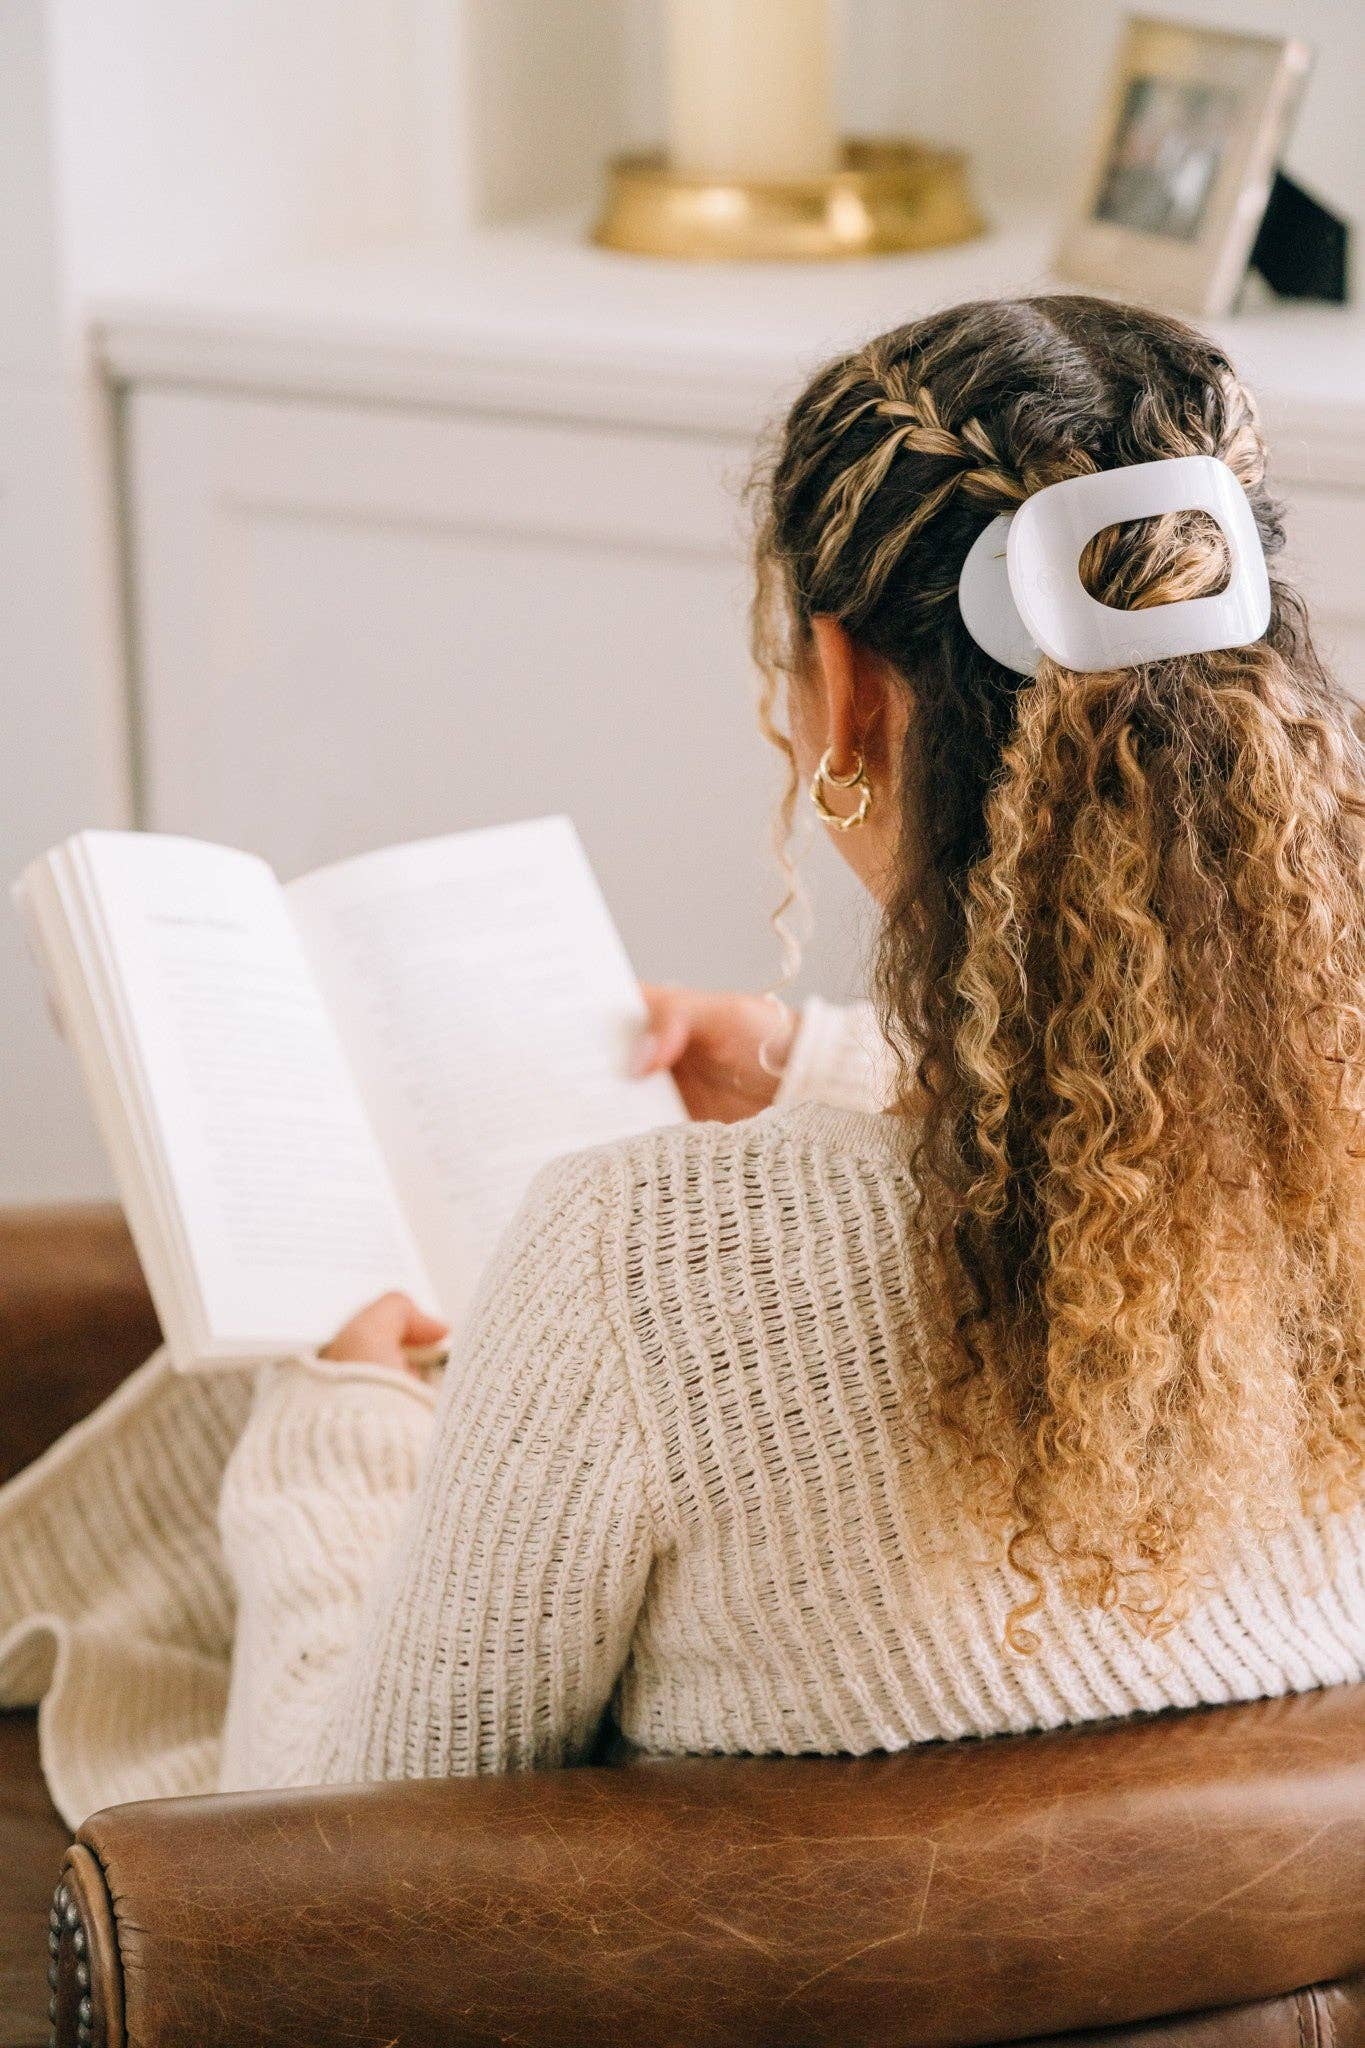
<point>1188,1879</point>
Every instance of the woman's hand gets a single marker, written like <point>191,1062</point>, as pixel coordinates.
<point>391,1331</point>
<point>711,1043</point>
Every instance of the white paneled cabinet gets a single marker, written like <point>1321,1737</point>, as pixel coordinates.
<point>359,624</point>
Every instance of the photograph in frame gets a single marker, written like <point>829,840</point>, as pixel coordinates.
<point>1182,162</point>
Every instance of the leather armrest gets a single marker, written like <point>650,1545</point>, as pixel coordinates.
<point>75,1318</point>
<point>971,1892</point>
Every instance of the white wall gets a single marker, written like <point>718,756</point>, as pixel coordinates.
<point>29,294</point>
<point>223,132</point>
<point>547,101</point>
<point>61,757</point>
<point>1018,82</point>
<point>212,133</point>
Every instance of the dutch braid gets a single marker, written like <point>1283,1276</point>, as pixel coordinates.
<point>913,426</point>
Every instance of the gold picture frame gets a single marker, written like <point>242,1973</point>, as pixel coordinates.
<point>1182,163</point>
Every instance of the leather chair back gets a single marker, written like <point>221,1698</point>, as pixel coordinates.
<point>1019,1889</point>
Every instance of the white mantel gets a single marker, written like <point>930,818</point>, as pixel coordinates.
<point>528,319</point>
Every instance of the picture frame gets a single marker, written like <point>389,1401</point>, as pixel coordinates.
<point>1182,163</point>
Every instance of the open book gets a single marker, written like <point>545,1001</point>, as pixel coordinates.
<point>317,1091</point>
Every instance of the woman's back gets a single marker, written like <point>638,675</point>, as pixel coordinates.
<point>685,1468</point>
<point>817,1591</point>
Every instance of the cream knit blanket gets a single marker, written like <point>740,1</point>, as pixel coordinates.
<point>672,1470</point>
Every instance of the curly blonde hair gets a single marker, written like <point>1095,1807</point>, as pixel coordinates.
<point>1122,963</point>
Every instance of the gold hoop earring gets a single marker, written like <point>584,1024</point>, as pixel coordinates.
<point>855,779</point>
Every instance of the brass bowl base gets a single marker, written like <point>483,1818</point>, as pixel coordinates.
<point>887,197</point>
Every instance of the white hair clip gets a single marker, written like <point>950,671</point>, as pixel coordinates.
<point>1021,592</point>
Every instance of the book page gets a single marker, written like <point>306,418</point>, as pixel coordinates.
<point>488,1009</point>
<point>68,943</point>
<point>283,1196</point>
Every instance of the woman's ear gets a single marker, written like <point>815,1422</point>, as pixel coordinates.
<point>852,684</point>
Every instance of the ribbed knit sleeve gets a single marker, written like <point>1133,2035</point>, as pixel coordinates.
<point>838,1057</point>
<point>427,1594</point>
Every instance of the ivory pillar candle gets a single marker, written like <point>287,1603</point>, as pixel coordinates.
<point>751,89</point>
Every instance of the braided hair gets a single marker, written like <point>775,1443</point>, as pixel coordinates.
<point>1122,963</point>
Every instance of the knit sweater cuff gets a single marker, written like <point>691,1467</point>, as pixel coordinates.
<point>309,1369</point>
<point>325,1434</point>
<point>839,1057</point>
<point>313,1495</point>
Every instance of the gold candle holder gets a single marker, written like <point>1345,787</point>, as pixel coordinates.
<point>886,197</point>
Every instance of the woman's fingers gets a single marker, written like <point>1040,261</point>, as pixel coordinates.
<point>672,1016</point>
<point>383,1331</point>
<point>398,1317</point>
<point>425,1329</point>
<point>724,1048</point>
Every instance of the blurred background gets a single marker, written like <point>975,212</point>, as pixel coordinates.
<point>348,494</point>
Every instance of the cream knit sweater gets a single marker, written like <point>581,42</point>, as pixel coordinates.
<point>672,1469</point>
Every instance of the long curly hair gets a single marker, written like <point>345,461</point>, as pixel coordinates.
<point>1122,963</point>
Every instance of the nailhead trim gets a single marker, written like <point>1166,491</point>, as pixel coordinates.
<point>64,1916</point>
